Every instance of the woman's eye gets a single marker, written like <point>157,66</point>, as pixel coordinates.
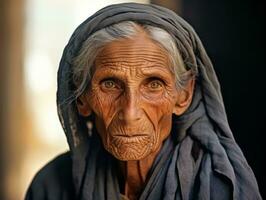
<point>155,85</point>
<point>109,84</point>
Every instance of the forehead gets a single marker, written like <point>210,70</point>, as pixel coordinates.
<point>136,53</point>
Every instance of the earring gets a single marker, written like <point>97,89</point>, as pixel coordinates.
<point>89,126</point>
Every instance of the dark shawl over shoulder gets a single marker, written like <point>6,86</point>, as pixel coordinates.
<point>200,160</point>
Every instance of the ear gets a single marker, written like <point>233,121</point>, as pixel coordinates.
<point>83,106</point>
<point>184,97</point>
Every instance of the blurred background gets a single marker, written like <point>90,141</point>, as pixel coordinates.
<point>33,34</point>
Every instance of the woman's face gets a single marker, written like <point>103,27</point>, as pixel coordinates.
<point>133,96</point>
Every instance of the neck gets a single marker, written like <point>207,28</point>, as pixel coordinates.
<point>134,175</point>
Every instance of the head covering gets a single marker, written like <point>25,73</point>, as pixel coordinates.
<point>200,160</point>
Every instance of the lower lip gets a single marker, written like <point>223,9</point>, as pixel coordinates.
<point>130,136</point>
<point>129,139</point>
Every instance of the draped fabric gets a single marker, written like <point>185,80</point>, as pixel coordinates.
<point>199,160</point>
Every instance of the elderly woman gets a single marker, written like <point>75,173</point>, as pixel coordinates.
<point>141,107</point>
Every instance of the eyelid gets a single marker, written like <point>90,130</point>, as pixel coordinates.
<point>151,79</point>
<point>108,79</point>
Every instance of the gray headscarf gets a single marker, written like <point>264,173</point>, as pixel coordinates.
<point>200,160</point>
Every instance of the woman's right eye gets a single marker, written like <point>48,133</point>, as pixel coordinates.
<point>110,84</point>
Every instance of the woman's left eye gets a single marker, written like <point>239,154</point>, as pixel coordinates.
<point>155,84</point>
<point>109,84</point>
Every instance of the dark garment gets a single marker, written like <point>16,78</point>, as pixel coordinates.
<point>200,160</point>
<point>54,181</point>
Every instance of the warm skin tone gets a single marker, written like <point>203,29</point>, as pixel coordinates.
<point>133,96</point>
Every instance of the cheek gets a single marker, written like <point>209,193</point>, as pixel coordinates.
<point>160,112</point>
<point>159,109</point>
<point>165,125</point>
<point>102,105</point>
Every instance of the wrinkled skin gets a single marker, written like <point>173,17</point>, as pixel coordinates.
<point>133,96</point>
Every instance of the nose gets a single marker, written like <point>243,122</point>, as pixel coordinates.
<point>130,108</point>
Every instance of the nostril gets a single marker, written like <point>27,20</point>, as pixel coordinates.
<point>120,115</point>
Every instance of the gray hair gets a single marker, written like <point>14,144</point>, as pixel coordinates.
<point>84,61</point>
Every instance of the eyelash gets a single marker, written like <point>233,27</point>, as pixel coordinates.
<point>107,79</point>
<point>156,79</point>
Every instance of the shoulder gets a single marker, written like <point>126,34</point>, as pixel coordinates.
<point>53,181</point>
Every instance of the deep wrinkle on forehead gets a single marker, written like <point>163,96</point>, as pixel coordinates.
<point>139,56</point>
<point>128,72</point>
<point>139,46</point>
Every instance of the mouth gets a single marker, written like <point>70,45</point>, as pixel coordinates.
<point>130,138</point>
<point>130,135</point>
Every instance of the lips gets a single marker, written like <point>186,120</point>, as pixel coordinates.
<point>132,138</point>
<point>130,135</point>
